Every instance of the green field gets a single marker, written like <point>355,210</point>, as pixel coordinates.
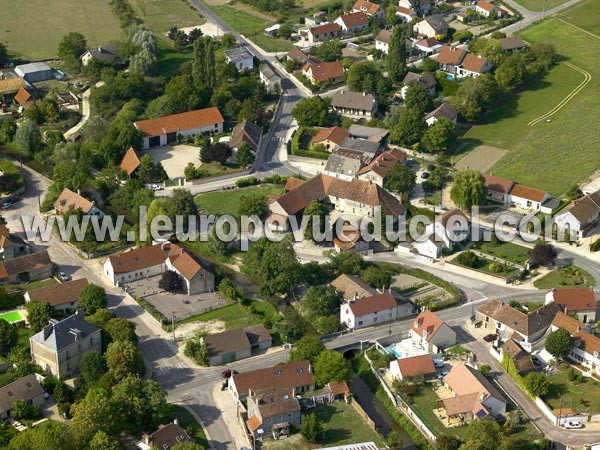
<point>581,398</point>
<point>252,27</point>
<point>12,316</point>
<point>228,202</point>
<point>568,277</point>
<point>581,16</point>
<point>160,15</point>
<point>34,28</point>
<point>538,5</point>
<point>538,155</point>
<point>506,250</point>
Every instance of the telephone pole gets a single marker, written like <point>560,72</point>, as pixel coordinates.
<point>173,324</point>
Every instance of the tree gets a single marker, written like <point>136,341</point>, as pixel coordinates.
<point>410,128</point>
<point>312,112</point>
<point>468,189</point>
<point>537,383</point>
<point>93,298</point>
<point>8,128</point>
<point>511,72</point>
<point>396,58</point>
<point>196,349</point>
<point>446,442</point>
<point>227,40</point>
<point>143,63</point>
<point>482,434</point>
<point>376,277</point>
<point>120,329</point>
<point>102,441</point>
<point>181,95</point>
<point>363,77</point>
<point>71,47</point>
<point>219,152</point>
<point>244,155</point>
<point>92,366</point>
<point>20,358</point>
<point>123,358</point>
<point>559,343</point>
<point>28,138</point>
<point>485,370</point>
<point>307,348</point>
<point>253,205</point>
<point>8,337</point>
<point>417,97</point>
<point>217,246</point>
<point>320,301</point>
<point>475,95</point>
<point>181,203</point>
<point>285,31</point>
<point>395,441</point>
<point>294,326</point>
<point>440,135</point>
<point>96,412</point>
<point>170,281</point>
<point>329,50</point>
<point>543,254</point>
<point>488,48</point>
<point>311,427</point>
<point>204,146</point>
<point>350,263</point>
<point>331,366</point>
<point>316,212</point>
<point>39,314</point>
<point>400,179</point>
<point>19,409</point>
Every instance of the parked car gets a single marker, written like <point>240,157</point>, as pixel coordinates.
<point>63,276</point>
<point>441,375</point>
<point>537,361</point>
<point>424,175</point>
<point>438,363</point>
<point>573,424</point>
<point>490,337</point>
<point>7,204</point>
<point>156,187</point>
<point>227,373</point>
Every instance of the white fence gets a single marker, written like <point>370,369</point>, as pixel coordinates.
<point>563,418</point>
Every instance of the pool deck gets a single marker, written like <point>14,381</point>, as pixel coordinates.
<point>12,316</point>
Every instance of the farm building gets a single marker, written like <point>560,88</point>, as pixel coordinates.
<point>34,72</point>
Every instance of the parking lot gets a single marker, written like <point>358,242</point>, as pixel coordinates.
<point>167,303</point>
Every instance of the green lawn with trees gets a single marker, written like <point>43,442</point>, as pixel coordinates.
<point>580,394</point>
<point>35,34</point>
<point>228,202</point>
<point>505,250</point>
<point>566,277</point>
<point>570,138</point>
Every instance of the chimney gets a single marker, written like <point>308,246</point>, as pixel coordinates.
<point>78,191</point>
<point>146,439</point>
<point>176,421</point>
<point>48,331</point>
<point>364,94</point>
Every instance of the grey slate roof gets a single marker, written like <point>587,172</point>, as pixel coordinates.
<point>369,133</point>
<point>343,165</point>
<point>26,388</point>
<point>437,23</point>
<point>361,145</point>
<point>61,334</point>
<point>351,99</point>
<point>108,52</point>
<point>268,73</point>
<point>426,80</point>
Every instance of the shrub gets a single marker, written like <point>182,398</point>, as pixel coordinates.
<point>467,258</point>
<point>595,246</point>
<point>196,350</point>
<point>495,267</point>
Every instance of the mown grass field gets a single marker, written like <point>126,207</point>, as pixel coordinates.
<point>252,27</point>
<point>228,202</point>
<point>539,155</point>
<point>584,15</point>
<point>538,5</point>
<point>160,15</point>
<point>34,28</point>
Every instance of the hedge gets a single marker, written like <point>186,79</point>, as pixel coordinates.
<point>509,365</point>
<point>430,278</point>
<point>595,246</point>
<point>297,151</point>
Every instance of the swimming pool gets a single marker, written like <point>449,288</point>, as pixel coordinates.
<point>12,316</point>
<point>395,351</point>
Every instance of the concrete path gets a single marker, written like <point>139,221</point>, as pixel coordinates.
<point>85,115</point>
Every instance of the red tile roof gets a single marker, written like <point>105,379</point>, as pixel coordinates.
<point>324,71</point>
<point>292,183</point>
<point>130,161</point>
<point>451,56</point>
<point>497,184</point>
<point>485,5</point>
<point>253,423</point>
<point>179,122</point>
<point>575,299</point>
<point>326,28</point>
<point>536,195</point>
<point>355,19</point>
<point>364,5</point>
<point>584,340</point>
<point>142,258</point>
<point>298,55</point>
<point>22,97</point>
<point>415,365</point>
<point>337,135</point>
<point>369,305</point>
<point>59,294</point>
<point>403,10</point>
<point>279,377</point>
<point>384,162</point>
<point>69,201</point>
<point>426,322</point>
<point>187,266</point>
<point>465,380</point>
<point>474,63</point>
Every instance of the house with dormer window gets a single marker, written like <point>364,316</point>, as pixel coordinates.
<point>431,333</point>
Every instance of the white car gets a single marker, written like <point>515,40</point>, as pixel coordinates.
<point>156,187</point>
<point>64,276</point>
<point>573,424</point>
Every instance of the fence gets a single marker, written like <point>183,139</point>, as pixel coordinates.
<point>363,414</point>
<point>561,419</point>
<point>403,406</point>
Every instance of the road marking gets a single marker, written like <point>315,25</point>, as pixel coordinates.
<point>573,93</point>
<point>578,28</point>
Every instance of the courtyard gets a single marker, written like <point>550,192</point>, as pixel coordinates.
<point>174,158</point>
<point>168,303</point>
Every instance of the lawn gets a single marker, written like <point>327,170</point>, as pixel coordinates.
<point>228,202</point>
<point>583,397</point>
<point>342,425</point>
<point>34,31</point>
<point>507,251</point>
<point>567,277</point>
<point>233,316</point>
<point>537,155</point>
<point>580,16</point>
<point>424,403</point>
<point>482,264</point>
<point>252,27</point>
<point>29,286</point>
<point>189,423</point>
<point>169,60</point>
<point>538,5</point>
<point>160,15</point>
<point>12,316</point>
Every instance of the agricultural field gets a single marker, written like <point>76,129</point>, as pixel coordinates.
<point>252,25</point>
<point>538,5</point>
<point>160,15</point>
<point>33,31</point>
<point>538,154</point>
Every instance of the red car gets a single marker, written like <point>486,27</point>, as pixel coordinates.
<point>490,338</point>
<point>227,373</point>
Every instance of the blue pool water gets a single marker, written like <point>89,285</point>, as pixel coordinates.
<point>392,349</point>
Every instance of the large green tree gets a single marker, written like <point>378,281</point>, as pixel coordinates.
<point>120,329</point>
<point>8,337</point>
<point>311,427</point>
<point>468,189</point>
<point>396,58</point>
<point>417,97</point>
<point>331,366</point>
<point>102,441</point>
<point>123,358</point>
<point>439,136</point>
<point>96,412</point>
<point>410,128</point>
<point>253,205</point>
<point>39,314</point>
<point>71,47</point>
<point>307,348</point>
<point>482,434</point>
<point>329,50</point>
<point>400,179</point>
<point>92,366</point>
<point>28,138</point>
<point>312,112</point>
<point>316,212</point>
<point>363,77</point>
<point>93,298</point>
<point>320,301</point>
<point>537,384</point>
<point>559,343</point>
<point>244,155</point>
